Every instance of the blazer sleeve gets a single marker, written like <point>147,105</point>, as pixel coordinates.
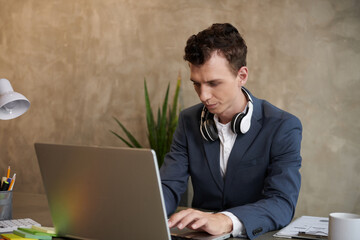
<point>174,171</point>
<point>281,186</point>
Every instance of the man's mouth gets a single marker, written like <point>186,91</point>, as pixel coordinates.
<point>211,106</point>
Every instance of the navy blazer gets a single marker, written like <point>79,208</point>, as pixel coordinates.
<point>262,180</point>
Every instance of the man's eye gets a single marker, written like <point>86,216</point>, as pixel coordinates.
<point>196,84</point>
<point>213,84</point>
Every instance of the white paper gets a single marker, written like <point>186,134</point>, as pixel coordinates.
<point>310,225</point>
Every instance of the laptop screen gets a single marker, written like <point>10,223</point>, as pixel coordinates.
<point>103,192</point>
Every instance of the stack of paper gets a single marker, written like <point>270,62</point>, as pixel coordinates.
<point>306,227</point>
<point>34,232</point>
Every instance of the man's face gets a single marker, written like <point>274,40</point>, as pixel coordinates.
<point>218,88</point>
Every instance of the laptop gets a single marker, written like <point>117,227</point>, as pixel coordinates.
<point>105,193</point>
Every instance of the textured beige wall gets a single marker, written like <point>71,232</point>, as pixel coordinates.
<point>82,62</point>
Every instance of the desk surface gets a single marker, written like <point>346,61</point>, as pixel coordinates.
<point>35,206</point>
<point>267,236</point>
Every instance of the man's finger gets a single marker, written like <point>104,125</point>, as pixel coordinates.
<point>189,219</point>
<point>199,224</point>
<point>177,217</point>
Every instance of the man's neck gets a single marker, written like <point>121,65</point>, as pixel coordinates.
<point>226,118</point>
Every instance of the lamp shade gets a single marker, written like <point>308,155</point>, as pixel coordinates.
<point>12,104</point>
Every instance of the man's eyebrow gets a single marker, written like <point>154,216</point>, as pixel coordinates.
<point>209,81</point>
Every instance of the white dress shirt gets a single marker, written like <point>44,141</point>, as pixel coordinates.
<point>227,139</point>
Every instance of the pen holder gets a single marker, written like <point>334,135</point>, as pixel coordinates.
<point>6,205</point>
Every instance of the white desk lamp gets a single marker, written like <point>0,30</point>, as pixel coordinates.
<point>12,104</point>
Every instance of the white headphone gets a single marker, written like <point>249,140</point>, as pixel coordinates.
<point>240,123</point>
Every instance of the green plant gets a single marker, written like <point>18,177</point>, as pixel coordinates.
<point>160,132</point>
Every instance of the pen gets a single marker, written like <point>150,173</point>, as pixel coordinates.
<point>12,182</point>
<point>311,236</point>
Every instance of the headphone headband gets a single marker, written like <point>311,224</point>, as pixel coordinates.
<point>247,94</point>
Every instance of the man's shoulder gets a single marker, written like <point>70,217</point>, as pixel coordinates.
<point>271,112</point>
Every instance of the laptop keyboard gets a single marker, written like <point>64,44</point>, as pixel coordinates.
<point>179,238</point>
<point>11,225</point>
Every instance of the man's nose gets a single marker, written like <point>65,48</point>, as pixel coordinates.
<point>204,93</point>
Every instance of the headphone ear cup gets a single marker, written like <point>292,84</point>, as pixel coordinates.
<point>210,130</point>
<point>236,122</point>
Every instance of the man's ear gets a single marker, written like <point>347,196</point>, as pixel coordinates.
<point>242,76</point>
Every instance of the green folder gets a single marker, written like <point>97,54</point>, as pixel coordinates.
<point>44,229</point>
<point>29,235</point>
<point>36,232</point>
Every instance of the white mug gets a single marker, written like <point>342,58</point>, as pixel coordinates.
<point>344,226</point>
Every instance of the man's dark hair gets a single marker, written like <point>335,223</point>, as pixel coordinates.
<point>222,37</point>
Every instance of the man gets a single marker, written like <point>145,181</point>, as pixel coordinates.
<point>242,153</point>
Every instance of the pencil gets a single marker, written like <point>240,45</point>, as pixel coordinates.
<point>12,182</point>
<point>8,172</point>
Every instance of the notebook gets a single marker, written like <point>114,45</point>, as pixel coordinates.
<point>104,192</point>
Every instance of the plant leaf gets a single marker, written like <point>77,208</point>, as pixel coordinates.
<point>173,109</point>
<point>122,139</point>
<point>162,138</point>
<point>149,117</point>
<point>128,134</point>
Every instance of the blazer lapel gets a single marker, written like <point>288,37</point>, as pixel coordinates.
<point>244,141</point>
<point>241,145</point>
<point>212,153</point>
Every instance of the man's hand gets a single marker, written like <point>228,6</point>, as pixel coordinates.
<point>213,223</point>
